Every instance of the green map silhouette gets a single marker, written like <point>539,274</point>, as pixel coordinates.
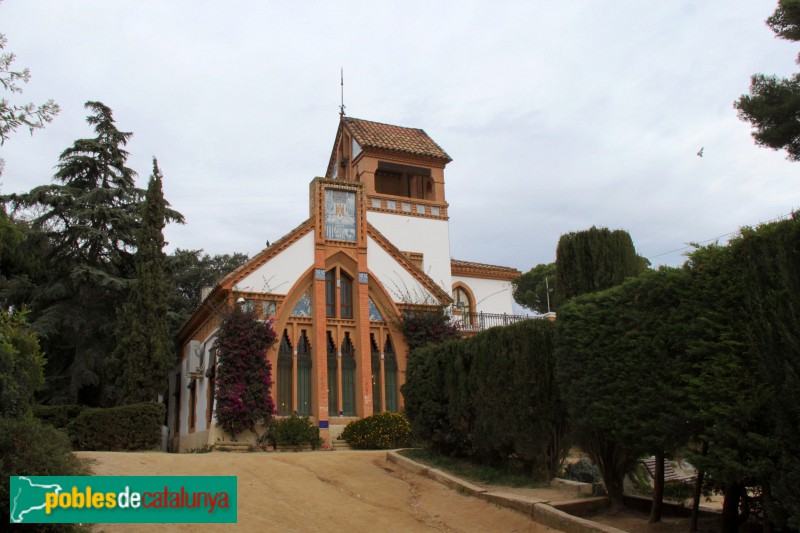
<point>28,497</point>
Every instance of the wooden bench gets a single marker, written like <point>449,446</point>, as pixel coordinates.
<point>670,475</point>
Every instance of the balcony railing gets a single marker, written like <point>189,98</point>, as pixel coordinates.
<point>468,321</point>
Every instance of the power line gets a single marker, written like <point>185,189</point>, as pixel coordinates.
<point>688,246</point>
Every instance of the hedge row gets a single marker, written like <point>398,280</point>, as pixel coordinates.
<point>58,416</point>
<point>492,398</point>
<point>127,427</point>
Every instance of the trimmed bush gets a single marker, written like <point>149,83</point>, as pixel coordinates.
<point>293,431</point>
<point>58,416</point>
<point>492,398</point>
<point>583,471</point>
<point>30,448</point>
<point>127,427</point>
<point>382,431</point>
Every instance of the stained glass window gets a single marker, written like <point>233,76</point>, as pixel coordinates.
<point>303,306</point>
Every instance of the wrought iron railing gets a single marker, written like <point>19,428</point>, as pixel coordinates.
<point>469,321</point>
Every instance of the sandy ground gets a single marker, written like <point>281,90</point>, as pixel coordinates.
<point>348,491</point>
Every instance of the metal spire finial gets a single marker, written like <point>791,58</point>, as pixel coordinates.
<point>341,107</point>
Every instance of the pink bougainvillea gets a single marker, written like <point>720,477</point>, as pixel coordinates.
<point>244,374</point>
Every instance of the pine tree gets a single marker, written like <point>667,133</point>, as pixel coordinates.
<point>537,289</point>
<point>144,350</point>
<point>773,105</point>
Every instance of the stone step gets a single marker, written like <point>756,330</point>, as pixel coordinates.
<point>340,444</point>
<point>233,447</point>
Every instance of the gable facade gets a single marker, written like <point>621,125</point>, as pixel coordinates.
<point>376,243</point>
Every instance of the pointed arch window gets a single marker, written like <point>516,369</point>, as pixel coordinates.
<point>390,368</point>
<point>285,404</point>
<point>376,374</point>
<point>333,377</point>
<point>348,377</point>
<point>303,375</point>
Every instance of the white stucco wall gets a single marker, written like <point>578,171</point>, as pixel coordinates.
<point>427,236</point>
<point>395,278</point>
<point>491,296</point>
<point>281,272</point>
<point>189,364</point>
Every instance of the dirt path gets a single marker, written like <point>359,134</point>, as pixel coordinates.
<point>348,491</point>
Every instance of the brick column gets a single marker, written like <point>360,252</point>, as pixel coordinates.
<point>319,369</point>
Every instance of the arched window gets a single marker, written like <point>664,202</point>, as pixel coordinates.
<point>348,377</point>
<point>333,389</point>
<point>376,374</point>
<point>285,403</point>
<point>390,366</point>
<point>303,375</point>
<point>461,301</point>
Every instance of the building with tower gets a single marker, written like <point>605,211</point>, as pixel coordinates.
<point>376,244</point>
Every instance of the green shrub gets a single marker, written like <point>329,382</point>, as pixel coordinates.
<point>58,416</point>
<point>492,398</point>
<point>30,448</point>
<point>293,431</point>
<point>378,432</point>
<point>127,427</point>
<point>583,471</point>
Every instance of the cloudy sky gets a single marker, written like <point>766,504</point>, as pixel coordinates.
<point>558,115</point>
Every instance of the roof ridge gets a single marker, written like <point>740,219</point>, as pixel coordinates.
<point>402,139</point>
<point>347,119</point>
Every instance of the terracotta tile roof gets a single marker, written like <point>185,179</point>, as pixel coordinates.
<point>396,138</point>
<point>482,270</point>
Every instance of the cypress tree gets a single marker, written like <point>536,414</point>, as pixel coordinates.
<point>594,260</point>
<point>144,351</point>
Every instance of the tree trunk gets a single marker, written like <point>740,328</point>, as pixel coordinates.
<point>698,490</point>
<point>730,509</point>
<point>612,463</point>
<point>658,489</point>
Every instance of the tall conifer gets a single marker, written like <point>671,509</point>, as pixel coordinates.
<point>89,215</point>
<point>595,259</point>
<point>144,350</point>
